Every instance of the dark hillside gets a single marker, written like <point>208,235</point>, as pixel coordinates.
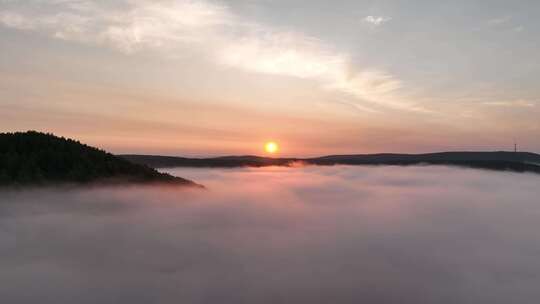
<point>39,158</point>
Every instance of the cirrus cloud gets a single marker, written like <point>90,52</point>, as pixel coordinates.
<point>212,30</point>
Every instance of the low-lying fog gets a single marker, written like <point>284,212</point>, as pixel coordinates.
<point>279,235</point>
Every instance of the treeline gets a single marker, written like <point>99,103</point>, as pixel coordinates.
<point>39,158</point>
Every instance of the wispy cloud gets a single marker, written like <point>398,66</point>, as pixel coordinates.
<point>505,23</point>
<point>131,26</point>
<point>295,55</point>
<point>16,21</point>
<point>499,20</point>
<point>510,103</point>
<point>214,31</point>
<point>376,20</point>
<point>283,53</point>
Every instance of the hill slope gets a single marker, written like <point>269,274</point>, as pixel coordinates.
<point>38,158</point>
<point>156,161</point>
<point>502,161</point>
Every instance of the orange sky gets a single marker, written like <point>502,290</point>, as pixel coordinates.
<point>219,77</point>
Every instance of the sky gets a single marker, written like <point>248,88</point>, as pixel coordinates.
<point>201,78</point>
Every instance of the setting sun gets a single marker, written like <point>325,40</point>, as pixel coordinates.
<point>271,147</point>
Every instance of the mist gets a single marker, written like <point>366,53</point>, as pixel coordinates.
<point>310,234</point>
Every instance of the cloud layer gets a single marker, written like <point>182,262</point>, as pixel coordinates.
<point>278,235</point>
<point>211,30</point>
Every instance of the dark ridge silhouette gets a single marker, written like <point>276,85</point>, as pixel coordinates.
<point>34,158</point>
<point>501,161</point>
<point>157,161</point>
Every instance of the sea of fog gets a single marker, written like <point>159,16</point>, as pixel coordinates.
<point>278,235</point>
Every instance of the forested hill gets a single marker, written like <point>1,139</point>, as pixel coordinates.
<point>39,158</point>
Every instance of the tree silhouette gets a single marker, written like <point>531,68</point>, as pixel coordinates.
<point>38,158</point>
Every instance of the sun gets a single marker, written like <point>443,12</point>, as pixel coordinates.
<point>271,147</point>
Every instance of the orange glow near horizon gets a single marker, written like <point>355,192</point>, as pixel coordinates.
<point>271,147</point>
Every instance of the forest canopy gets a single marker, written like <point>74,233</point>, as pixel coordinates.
<point>39,158</point>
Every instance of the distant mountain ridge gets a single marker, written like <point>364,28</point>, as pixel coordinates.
<point>157,161</point>
<point>499,160</point>
<point>34,158</point>
<point>459,156</point>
